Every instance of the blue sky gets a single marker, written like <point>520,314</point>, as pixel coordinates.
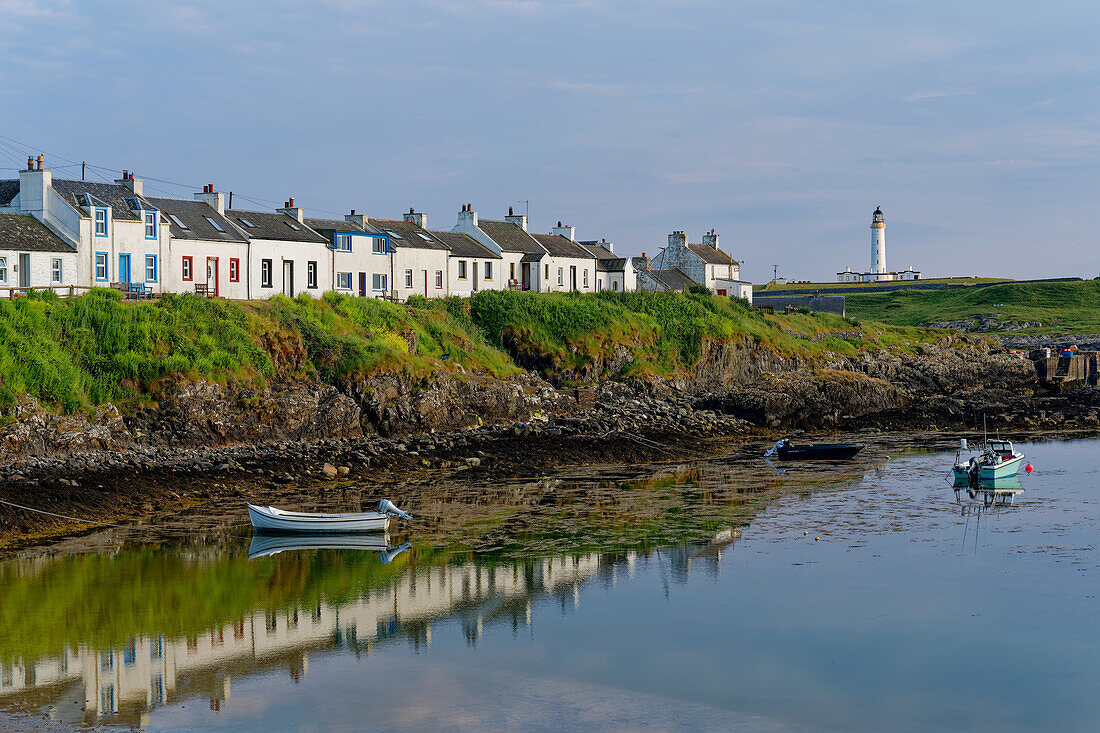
<point>781,124</point>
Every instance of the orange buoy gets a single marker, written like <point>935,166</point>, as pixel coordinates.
<point>1029,468</point>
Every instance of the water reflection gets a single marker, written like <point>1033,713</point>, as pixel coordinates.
<point>372,594</point>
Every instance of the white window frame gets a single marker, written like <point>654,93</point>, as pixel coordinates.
<point>150,225</point>
<point>378,282</point>
<point>100,218</point>
<point>3,269</point>
<point>266,270</point>
<point>56,270</point>
<point>488,270</point>
<point>462,273</point>
<point>378,246</point>
<point>561,273</point>
<point>101,263</point>
<point>439,279</point>
<point>343,281</point>
<point>408,278</point>
<point>151,267</point>
<point>343,243</point>
<point>311,275</point>
<point>586,277</point>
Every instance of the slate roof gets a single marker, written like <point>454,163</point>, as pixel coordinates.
<point>597,250</point>
<point>710,255</point>
<point>334,225</point>
<point>8,191</point>
<point>193,214</point>
<point>611,264</point>
<point>274,226</point>
<point>533,256</point>
<point>24,233</point>
<point>463,245</point>
<point>105,194</point>
<point>673,279</point>
<point>560,246</point>
<point>508,236</point>
<point>406,234</point>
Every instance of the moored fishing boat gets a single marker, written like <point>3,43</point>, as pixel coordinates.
<point>998,460</point>
<point>788,451</point>
<point>271,519</point>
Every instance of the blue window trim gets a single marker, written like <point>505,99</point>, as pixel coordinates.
<point>106,221</point>
<point>156,222</point>
<point>336,242</point>
<point>385,279</point>
<point>106,267</point>
<point>156,268</point>
<point>387,248</point>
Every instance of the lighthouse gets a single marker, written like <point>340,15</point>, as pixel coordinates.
<point>878,245</point>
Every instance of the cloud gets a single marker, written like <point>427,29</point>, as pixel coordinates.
<point>927,95</point>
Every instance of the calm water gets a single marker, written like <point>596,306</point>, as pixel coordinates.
<point>910,612</point>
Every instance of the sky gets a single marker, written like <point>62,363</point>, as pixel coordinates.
<point>781,124</point>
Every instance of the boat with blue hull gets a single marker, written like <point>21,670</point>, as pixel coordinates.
<point>999,459</point>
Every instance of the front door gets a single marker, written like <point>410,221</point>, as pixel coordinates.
<point>425,283</point>
<point>124,269</point>
<point>573,277</point>
<point>288,278</point>
<point>24,271</point>
<point>525,273</point>
<point>212,275</point>
<point>474,265</point>
<point>362,284</point>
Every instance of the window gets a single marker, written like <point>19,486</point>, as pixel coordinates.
<point>408,278</point>
<point>3,269</point>
<point>188,268</point>
<point>214,224</point>
<point>615,285</point>
<point>234,270</point>
<point>424,236</point>
<point>293,226</point>
<point>586,278</point>
<point>462,269</point>
<point>439,279</point>
<point>560,275</point>
<point>101,222</point>
<point>488,270</point>
<point>378,282</point>
<point>311,274</point>
<point>150,268</point>
<point>150,225</point>
<point>156,688</point>
<point>106,661</point>
<point>156,648</point>
<point>343,280</point>
<point>393,234</point>
<point>247,223</point>
<point>179,223</point>
<point>265,273</point>
<point>101,272</point>
<point>512,271</point>
<point>55,270</point>
<point>129,654</point>
<point>547,276</point>
<point>343,243</point>
<point>107,699</point>
<point>379,246</point>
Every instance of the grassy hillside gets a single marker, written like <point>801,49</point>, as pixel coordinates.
<point>97,348</point>
<point>811,287</point>
<point>1058,307</point>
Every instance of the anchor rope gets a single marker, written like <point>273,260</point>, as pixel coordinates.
<point>61,516</point>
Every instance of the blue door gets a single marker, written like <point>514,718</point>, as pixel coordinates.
<point>124,269</point>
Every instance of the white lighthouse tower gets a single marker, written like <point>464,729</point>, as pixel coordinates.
<point>878,246</point>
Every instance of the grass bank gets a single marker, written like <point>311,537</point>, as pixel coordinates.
<point>77,352</point>
<point>763,289</point>
<point>1056,307</point>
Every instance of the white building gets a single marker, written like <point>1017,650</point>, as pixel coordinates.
<point>420,261</point>
<point>878,271</point>
<point>205,249</point>
<point>285,256</point>
<point>472,266</point>
<point>572,268</point>
<point>361,261</point>
<point>521,256</point>
<point>613,273</point>
<point>704,263</point>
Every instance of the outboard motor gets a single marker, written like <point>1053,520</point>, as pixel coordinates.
<point>387,507</point>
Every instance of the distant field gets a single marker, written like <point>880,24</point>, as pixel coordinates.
<point>827,286</point>
<point>1056,307</point>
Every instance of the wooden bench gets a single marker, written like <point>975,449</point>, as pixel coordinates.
<point>204,290</point>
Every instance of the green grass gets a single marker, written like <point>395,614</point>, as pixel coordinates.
<point>764,288</point>
<point>1059,307</point>
<point>78,352</point>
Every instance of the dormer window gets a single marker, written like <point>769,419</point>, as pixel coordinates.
<point>134,204</point>
<point>343,243</point>
<point>150,225</point>
<point>379,246</point>
<point>83,200</point>
<point>101,222</point>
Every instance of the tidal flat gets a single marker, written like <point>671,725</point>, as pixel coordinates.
<point>710,594</point>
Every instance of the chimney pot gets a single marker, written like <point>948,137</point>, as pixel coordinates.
<point>30,162</point>
<point>39,162</point>
<point>291,204</point>
<point>353,212</point>
<point>509,211</point>
<point>412,209</point>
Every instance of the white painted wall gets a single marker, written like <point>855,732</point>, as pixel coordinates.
<point>586,274</point>
<point>299,254</point>
<point>475,275</point>
<point>425,264</point>
<point>363,263</point>
<point>41,270</point>
<point>200,251</point>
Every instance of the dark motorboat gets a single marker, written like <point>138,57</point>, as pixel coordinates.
<point>788,451</point>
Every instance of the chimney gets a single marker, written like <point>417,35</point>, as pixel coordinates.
<point>215,200</point>
<point>566,231</point>
<point>415,217</point>
<point>519,220</point>
<point>360,220</point>
<point>677,239</point>
<point>610,246</point>
<point>710,239</point>
<point>134,184</point>
<point>294,212</point>
<point>34,186</point>
<point>467,218</point>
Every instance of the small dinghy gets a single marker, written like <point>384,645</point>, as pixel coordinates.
<point>788,451</point>
<point>269,545</point>
<point>270,519</point>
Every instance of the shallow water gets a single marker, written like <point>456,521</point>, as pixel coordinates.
<point>856,597</point>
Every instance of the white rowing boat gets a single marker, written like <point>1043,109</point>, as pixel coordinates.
<point>270,519</point>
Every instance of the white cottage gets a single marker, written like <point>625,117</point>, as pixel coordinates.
<point>362,260</point>
<point>571,267</point>
<point>285,256</point>
<point>473,266</point>
<point>613,273</point>
<point>420,260</point>
<point>207,254</point>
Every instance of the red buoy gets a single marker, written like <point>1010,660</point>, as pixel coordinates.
<point>1029,468</point>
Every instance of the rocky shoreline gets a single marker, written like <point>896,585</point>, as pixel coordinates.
<point>203,440</point>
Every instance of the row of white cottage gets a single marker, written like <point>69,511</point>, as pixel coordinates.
<point>58,233</point>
